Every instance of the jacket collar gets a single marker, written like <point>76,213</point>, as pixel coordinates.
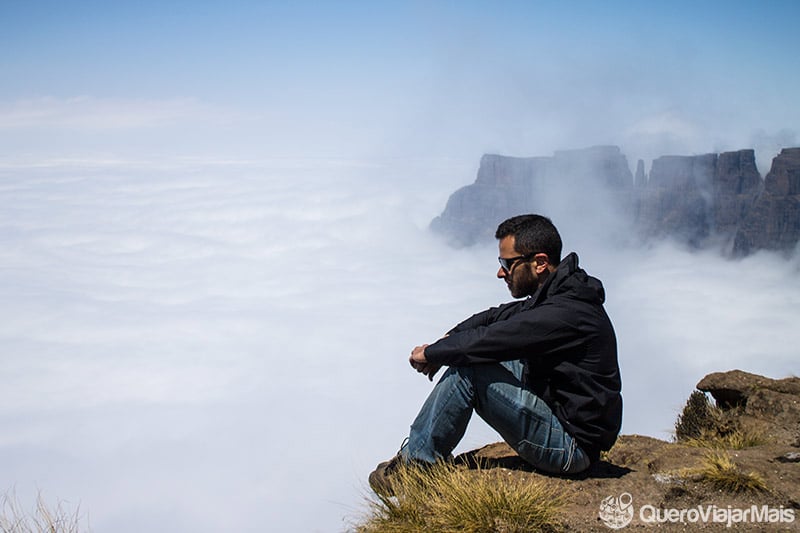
<point>567,267</point>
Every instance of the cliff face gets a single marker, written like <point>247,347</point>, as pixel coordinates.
<point>508,186</point>
<point>773,222</point>
<point>696,200</point>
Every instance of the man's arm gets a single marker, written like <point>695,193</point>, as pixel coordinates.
<point>484,318</point>
<point>542,330</point>
<point>418,358</point>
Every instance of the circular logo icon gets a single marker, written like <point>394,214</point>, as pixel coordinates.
<point>617,511</point>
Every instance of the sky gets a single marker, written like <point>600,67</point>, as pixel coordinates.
<point>215,254</point>
<point>433,79</point>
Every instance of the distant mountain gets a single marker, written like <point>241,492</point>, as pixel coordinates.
<point>700,200</point>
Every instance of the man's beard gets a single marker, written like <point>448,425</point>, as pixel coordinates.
<point>522,283</point>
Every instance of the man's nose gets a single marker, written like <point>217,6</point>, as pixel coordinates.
<point>501,273</point>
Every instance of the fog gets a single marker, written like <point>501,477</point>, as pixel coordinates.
<point>214,231</point>
<point>212,346</point>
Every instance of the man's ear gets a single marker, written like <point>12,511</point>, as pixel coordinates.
<point>542,261</point>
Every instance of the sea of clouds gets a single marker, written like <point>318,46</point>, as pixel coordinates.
<point>209,345</point>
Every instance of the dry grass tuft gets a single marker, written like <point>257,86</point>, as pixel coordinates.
<point>697,419</point>
<point>720,471</point>
<point>447,498</point>
<point>704,425</point>
<point>42,519</point>
<point>735,439</point>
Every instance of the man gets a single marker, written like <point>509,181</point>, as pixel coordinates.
<point>541,371</point>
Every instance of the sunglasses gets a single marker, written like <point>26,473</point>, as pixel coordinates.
<point>508,263</point>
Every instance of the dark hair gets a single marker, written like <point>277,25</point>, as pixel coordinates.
<point>532,234</point>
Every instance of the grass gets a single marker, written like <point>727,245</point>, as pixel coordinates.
<point>704,425</point>
<point>447,498</point>
<point>722,473</point>
<point>736,439</point>
<point>42,519</point>
<point>698,418</point>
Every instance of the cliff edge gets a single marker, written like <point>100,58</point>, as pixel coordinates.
<point>741,454</point>
<point>733,465</point>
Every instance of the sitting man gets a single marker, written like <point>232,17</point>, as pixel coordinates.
<point>542,371</point>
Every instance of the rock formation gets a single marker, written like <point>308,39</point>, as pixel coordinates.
<point>692,198</point>
<point>773,222</point>
<point>674,475</point>
<point>768,407</point>
<point>697,200</point>
<point>640,179</point>
<point>508,186</point>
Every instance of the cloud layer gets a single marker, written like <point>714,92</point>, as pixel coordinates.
<point>225,348</point>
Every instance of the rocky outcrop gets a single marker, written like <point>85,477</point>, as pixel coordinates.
<point>692,198</point>
<point>768,407</point>
<point>737,183</point>
<point>699,200</point>
<point>678,198</point>
<point>657,474</point>
<point>504,186</point>
<point>773,222</point>
<point>507,186</point>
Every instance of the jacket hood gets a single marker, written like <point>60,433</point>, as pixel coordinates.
<point>570,278</point>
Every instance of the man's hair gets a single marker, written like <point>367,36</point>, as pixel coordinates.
<point>532,234</point>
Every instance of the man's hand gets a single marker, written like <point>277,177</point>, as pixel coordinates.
<point>421,364</point>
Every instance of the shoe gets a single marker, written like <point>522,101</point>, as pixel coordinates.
<point>380,478</point>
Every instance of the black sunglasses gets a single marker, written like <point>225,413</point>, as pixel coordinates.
<point>508,263</point>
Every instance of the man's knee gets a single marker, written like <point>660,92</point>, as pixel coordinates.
<point>566,459</point>
<point>458,373</point>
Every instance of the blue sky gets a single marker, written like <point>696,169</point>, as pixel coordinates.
<point>354,79</point>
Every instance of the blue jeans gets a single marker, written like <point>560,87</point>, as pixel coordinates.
<point>495,391</point>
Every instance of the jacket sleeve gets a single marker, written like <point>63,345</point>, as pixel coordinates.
<point>543,330</point>
<point>484,318</point>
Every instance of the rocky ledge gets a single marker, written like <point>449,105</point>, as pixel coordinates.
<point>732,466</point>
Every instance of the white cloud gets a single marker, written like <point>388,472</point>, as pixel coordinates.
<point>184,345</point>
<point>89,113</point>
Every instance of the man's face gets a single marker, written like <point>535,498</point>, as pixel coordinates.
<point>521,277</point>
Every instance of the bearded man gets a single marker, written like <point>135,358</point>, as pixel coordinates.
<point>541,370</point>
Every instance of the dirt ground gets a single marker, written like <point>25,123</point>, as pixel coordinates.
<point>657,475</point>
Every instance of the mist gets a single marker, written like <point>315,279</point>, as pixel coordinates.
<point>214,237</point>
<point>216,347</point>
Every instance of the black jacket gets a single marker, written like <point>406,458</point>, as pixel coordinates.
<point>567,343</point>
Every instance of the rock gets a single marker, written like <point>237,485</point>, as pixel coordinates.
<point>784,177</point>
<point>671,475</point>
<point>743,384</point>
<point>508,186</point>
<point>666,479</point>
<point>768,406</point>
<point>701,200</point>
<point>736,185</point>
<point>640,179</point>
<point>773,222</point>
<point>677,202</point>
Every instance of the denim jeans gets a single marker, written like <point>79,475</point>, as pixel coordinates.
<point>495,391</point>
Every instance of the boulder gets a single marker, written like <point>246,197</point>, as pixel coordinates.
<point>769,406</point>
